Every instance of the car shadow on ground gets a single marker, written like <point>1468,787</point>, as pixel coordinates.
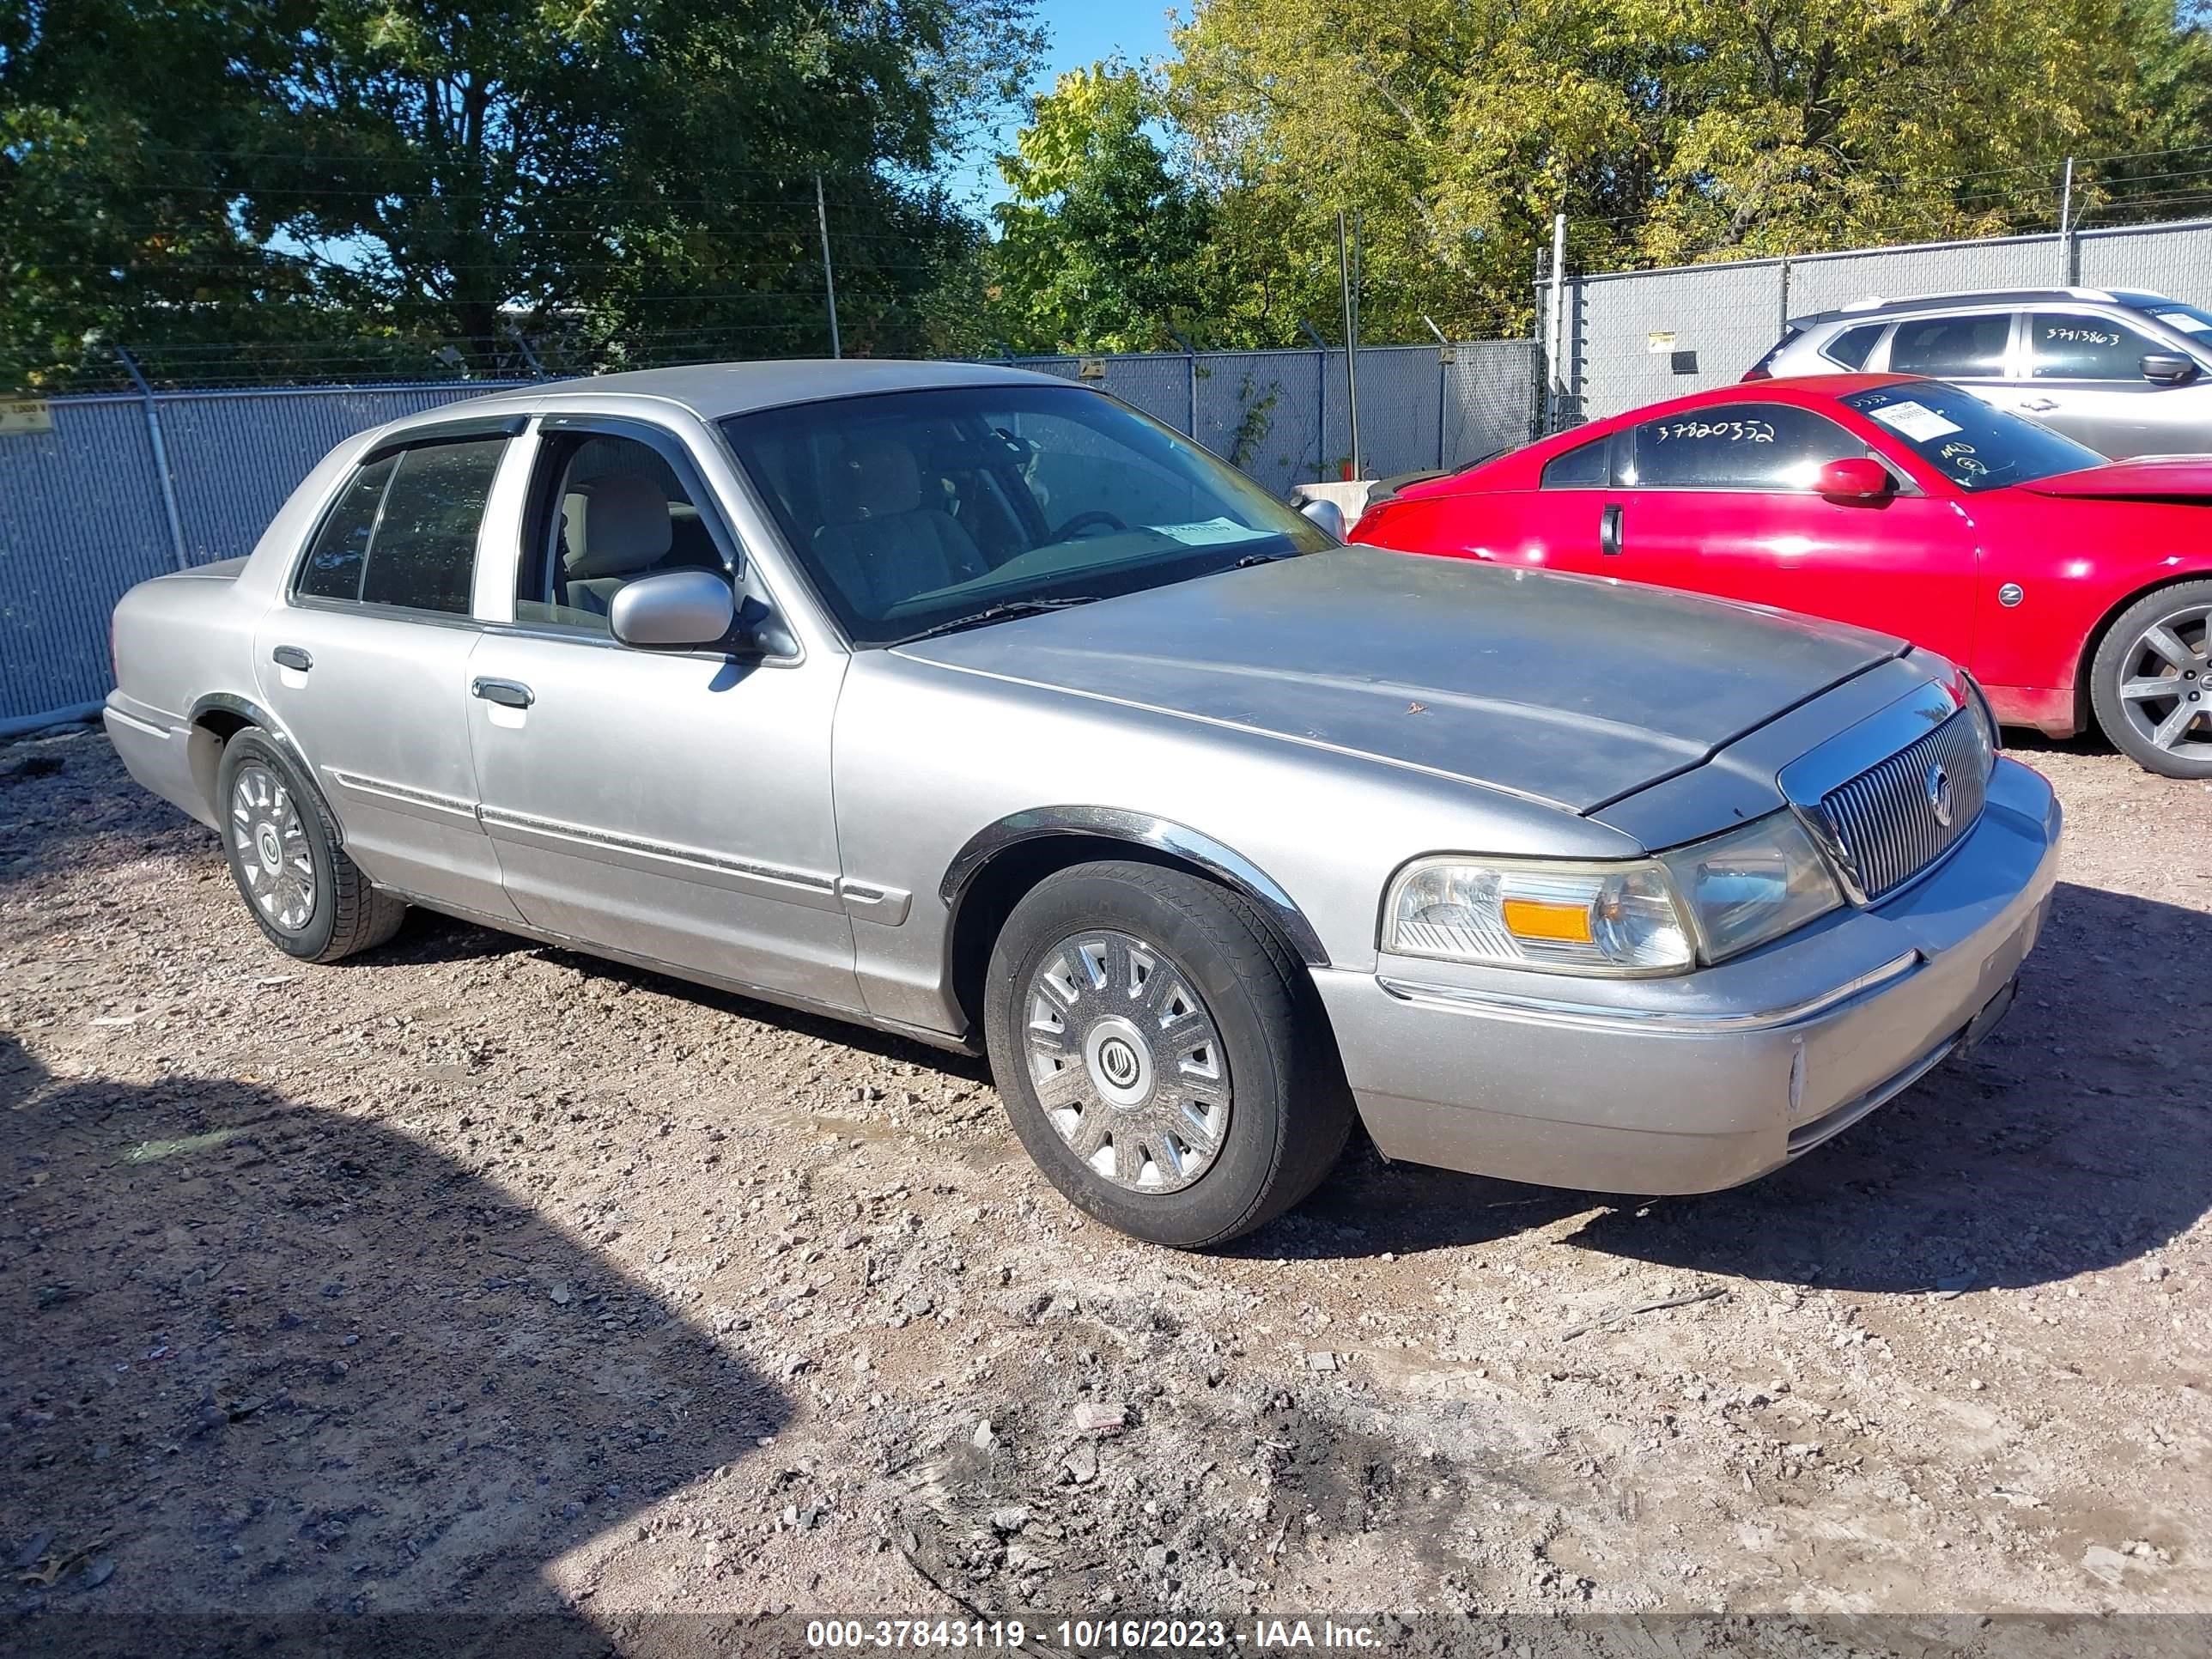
<point>2074,1140</point>
<point>428,937</point>
<point>281,1379</point>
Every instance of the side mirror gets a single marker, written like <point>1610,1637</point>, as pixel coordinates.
<point>2168,368</point>
<point>1855,478</point>
<point>675,608</point>
<point>1327,515</point>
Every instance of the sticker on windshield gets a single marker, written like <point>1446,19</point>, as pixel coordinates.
<point>1916,421</point>
<point>2189,325</point>
<point>1207,531</point>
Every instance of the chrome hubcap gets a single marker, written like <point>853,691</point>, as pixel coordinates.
<point>2163,683</point>
<point>1126,1061</point>
<point>274,857</point>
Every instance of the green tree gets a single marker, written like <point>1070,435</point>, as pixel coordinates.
<point>1667,130</point>
<point>1100,245</point>
<point>625,177</point>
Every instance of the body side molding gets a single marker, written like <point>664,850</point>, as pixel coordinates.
<point>1162,835</point>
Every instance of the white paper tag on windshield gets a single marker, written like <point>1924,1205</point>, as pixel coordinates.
<point>2188,325</point>
<point>1206,532</point>
<point>1915,421</point>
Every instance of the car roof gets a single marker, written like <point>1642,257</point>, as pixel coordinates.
<point>712,391</point>
<point>1876,309</point>
<point>1803,390</point>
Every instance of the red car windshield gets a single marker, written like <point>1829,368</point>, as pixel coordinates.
<point>1971,443</point>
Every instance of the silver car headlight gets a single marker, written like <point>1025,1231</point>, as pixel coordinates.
<point>1752,885</point>
<point>1984,721</point>
<point>1707,901</point>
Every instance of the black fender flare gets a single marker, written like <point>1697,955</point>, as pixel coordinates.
<point>229,702</point>
<point>1225,864</point>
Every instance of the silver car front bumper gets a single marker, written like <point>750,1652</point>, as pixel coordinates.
<point>1701,1082</point>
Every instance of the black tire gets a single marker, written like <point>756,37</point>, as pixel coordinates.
<point>330,911</point>
<point>2122,654</point>
<point>1288,1110</point>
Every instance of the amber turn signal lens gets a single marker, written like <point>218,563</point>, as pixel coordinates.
<point>1533,919</point>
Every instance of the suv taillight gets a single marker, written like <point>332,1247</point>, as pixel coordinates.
<point>1758,372</point>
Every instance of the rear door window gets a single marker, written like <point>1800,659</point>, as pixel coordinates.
<point>1747,446</point>
<point>2066,345</point>
<point>1952,348</point>
<point>403,531</point>
<point>424,552</point>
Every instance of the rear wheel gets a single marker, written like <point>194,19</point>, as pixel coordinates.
<point>309,898</point>
<point>2152,679</point>
<point>1162,1053</point>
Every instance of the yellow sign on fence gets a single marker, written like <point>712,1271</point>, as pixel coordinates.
<point>26,415</point>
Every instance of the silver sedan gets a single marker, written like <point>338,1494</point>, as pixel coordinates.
<point>975,706</point>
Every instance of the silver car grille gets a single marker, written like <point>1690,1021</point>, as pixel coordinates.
<point>1887,823</point>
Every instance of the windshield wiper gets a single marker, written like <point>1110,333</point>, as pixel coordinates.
<point>1251,559</point>
<point>991,613</point>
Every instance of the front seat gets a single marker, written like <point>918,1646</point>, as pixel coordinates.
<point>614,530</point>
<point>878,543</point>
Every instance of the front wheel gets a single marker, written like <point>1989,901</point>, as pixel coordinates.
<point>2152,678</point>
<point>312,901</point>
<point>1162,1053</point>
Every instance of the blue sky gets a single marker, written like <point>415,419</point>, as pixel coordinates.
<point>1083,31</point>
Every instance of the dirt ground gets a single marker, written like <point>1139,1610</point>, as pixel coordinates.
<point>474,1278</point>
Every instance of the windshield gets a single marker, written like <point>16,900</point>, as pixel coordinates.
<point>1971,443</point>
<point>2188,319</point>
<point>914,510</point>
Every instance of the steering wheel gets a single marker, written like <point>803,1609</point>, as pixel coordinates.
<point>1097,515</point>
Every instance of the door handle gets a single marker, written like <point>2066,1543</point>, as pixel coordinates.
<point>510,694</point>
<point>291,656</point>
<point>1608,530</point>
<point>2040,405</point>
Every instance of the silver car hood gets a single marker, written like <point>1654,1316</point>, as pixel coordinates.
<point>1572,691</point>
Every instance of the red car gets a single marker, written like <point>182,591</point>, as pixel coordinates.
<point>2074,588</point>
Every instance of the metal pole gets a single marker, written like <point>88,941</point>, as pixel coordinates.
<point>1555,330</point>
<point>1190,362</point>
<point>160,462</point>
<point>2067,273</point>
<point>1350,338</point>
<point>1443,391</point>
<point>829,271</point>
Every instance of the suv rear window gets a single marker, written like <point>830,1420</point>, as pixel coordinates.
<point>1851,347</point>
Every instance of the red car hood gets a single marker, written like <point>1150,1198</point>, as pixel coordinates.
<point>2145,478</point>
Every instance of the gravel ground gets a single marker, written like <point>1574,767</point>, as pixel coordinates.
<point>474,1276</point>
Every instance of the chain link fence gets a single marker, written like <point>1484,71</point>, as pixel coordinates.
<point>1634,337</point>
<point>100,492</point>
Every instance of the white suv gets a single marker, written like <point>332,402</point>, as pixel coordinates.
<point>2125,373</point>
